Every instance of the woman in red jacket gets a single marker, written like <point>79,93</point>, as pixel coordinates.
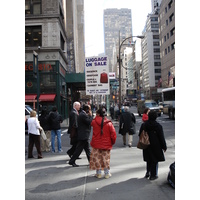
<point>104,137</point>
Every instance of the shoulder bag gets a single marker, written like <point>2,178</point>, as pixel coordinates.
<point>143,142</point>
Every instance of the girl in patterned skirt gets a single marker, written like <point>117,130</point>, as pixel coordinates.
<point>104,137</point>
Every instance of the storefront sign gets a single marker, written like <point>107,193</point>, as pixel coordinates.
<point>97,75</point>
<point>41,67</point>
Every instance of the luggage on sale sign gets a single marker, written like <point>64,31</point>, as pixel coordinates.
<point>104,78</point>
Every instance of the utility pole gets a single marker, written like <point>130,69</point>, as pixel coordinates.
<point>119,74</point>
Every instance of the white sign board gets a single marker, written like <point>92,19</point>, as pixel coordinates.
<point>97,75</point>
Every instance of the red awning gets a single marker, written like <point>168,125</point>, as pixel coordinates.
<point>47,97</point>
<point>30,97</point>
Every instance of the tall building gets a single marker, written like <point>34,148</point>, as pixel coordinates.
<point>151,63</point>
<point>155,4</point>
<point>116,20</point>
<point>54,29</point>
<point>167,42</point>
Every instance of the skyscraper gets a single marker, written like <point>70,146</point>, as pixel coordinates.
<point>116,20</point>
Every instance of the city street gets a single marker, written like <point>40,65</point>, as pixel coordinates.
<point>52,178</point>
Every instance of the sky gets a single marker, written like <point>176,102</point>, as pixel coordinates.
<point>94,36</point>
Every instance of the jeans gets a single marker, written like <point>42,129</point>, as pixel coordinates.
<point>53,135</point>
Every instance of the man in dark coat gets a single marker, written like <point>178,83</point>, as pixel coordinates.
<point>54,120</point>
<point>154,152</point>
<point>73,125</point>
<point>127,125</point>
<point>84,129</point>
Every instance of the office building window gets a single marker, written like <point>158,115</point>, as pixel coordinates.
<point>173,46</point>
<point>171,17</point>
<point>33,7</point>
<point>33,36</point>
<point>172,31</point>
<point>168,49</point>
<point>62,42</point>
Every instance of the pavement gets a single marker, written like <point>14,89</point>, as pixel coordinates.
<point>52,178</point>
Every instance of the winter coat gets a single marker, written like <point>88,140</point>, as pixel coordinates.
<point>105,140</point>
<point>73,124</point>
<point>127,123</point>
<point>154,153</point>
<point>44,122</point>
<point>54,120</point>
<point>84,126</point>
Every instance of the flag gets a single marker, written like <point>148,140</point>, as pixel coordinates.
<point>170,77</point>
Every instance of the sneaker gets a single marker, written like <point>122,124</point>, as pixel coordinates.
<point>108,175</point>
<point>60,151</point>
<point>98,175</point>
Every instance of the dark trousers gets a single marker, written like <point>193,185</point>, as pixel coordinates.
<point>82,144</point>
<point>152,168</point>
<point>34,139</point>
<point>71,150</point>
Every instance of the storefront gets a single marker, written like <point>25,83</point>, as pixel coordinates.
<point>52,86</point>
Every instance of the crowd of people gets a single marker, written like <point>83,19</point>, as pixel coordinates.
<point>103,137</point>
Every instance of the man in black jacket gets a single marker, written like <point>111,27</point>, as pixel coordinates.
<point>54,120</point>
<point>84,129</point>
<point>73,125</point>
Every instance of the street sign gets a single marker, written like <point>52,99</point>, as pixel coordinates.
<point>97,76</point>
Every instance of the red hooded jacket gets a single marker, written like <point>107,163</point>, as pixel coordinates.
<point>107,139</point>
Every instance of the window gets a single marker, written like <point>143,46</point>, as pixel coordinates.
<point>156,43</point>
<point>165,38</point>
<point>165,51</point>
<point>157,63</point>
<point>167,35</point>
<point>165,9</point>
<point>170,4</point>
<point>33,7</point>
<point>168,49</point>
<point>156,56</point>
<point>172,31</point>
<point>157,70</point>
<point>62,42</point>
<point>173,46</point>
<point>156,50</point>
<point>171,17</point>
<point>155,36</point>
<point>167,22</point>
<point>33,36</point>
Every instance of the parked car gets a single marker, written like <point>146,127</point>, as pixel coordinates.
<point>171,175</point>
<point>151,104</point>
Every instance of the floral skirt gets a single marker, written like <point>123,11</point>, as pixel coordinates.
<point>99,159</point>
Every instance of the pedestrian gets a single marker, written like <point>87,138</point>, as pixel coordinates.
<point>104,137</point>
<point>73,125</point>
<point>34,135</point>
<point>84,129</point>
<point>54,120</point>
<point>154,152</point>
<point>127,126</point>
<point>44,123</point>
<point>145,114</point>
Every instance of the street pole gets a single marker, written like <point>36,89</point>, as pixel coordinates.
<point>120,45</point>
<point>36,75</point>
<point>119,74</point>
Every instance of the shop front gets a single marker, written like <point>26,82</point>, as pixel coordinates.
<point>52,86</point>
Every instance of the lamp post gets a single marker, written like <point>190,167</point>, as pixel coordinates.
<point>120,45</point>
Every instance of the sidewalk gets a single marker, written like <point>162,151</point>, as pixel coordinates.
<point>51,178</point>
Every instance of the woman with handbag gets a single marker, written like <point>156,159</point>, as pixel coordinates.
<point>154,152</point>
<point>104,137</point>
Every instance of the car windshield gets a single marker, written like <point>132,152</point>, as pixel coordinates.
<point>29,108</point>
<point>149,105</point>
